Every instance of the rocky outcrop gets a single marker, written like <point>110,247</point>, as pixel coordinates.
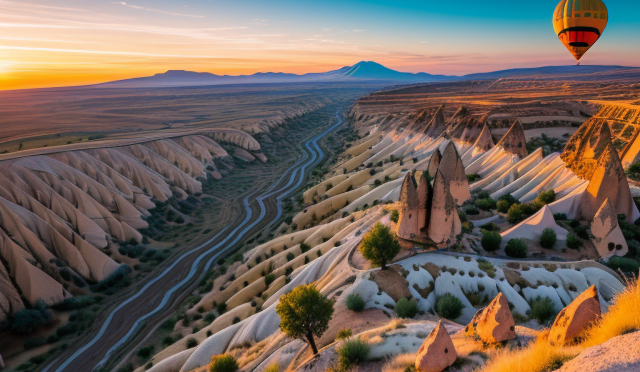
<point>574,319</point>
<point>453,171</point>
<point>608,182</point>
<point>607,235</point>
<point>434,163</point>
<point>425,194</point>
<point>444,215</point>
<point>495,323</point>
<point>437,124</point>
<point>485,140</point>
<point>585,147</point>
<point>408,223</point>
<point>437,351</point>
<point>514,140</point>
<point>619,354</point>
<point>532,227</point>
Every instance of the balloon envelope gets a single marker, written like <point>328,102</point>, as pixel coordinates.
<point>579,24</point>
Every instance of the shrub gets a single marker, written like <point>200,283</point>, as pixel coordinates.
<point>573,242</point>
<point>191,342</point>
<point>548,238</point>
<point>28,320</point>
<point>395,216</point>
<point>516,213</point>
<point>560,216</point>
<point>223,363</point>
<point>290,256</point>
<point>355,302</point>
<point>406,308</point>
<point>344,333</point>
<point>449,306</point>
<point>516,248</point>
<point>352,352</point>
<point>625,264</point>
<point>490,227</point>
<point>546,197</point>
<point>379,245</point>
<point>473,177</point>
<point>146,352</point>
<point>491,241</point>
<point>168,341</point>
<point>486,204</point>
<point>221,307</point>
<point>269,278</point>
<point>305,312</point>
<point>542,309</point>
<point>273,367</point>
<point>472,211</point>
<point>304,247</point>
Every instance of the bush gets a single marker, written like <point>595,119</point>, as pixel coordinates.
<point>352,352</point>
<point>573,242</point>
<point>304,247</point>
<point>395,216</point>
<point>191,342</point>
<point>223,363</point>
<point>145,352</point>
<point>490,227</point>
<point>473,177</point>
<point>625,264</point>
<point>516,213</point>
<point>269,278</point>
<point>486,204</point>
<point>28,320</point>
<point>503,206</point>
<point>491,241</point>
<point>355,302</point>
<point>290,256</point>
<point>542,309</point>
<point>273,367</point>
<point>406,308</point>
<point>546,197</point>
<point>548,238</point>
<point>379,245</point>
<point>221,307</point>
<point>344,333</point>
<point>516,248</point>
<point>449,306</point>
<point>472,211</point>
<point>167,341</point>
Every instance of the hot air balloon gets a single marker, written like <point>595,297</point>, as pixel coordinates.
<point>579,24</point>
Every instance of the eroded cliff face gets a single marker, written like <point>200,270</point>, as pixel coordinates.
<point>615,123</point>
<point>60,211</point>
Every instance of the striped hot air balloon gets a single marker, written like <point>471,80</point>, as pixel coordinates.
<point>579,24</point>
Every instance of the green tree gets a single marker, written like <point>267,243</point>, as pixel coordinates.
<point>491,241</point>
<point>379,246</point>
<point>305,313</point>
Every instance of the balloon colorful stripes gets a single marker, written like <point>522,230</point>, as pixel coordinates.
<point>579,24</point>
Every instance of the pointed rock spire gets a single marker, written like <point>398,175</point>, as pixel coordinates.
<point>586,146</point>
<point>408,222</point>
<point>437,351</point>
<point>453,172</point>
<point>434,163</point>
<point>574,319</point>
<point>607,235</point>
<point>484,141</point>
<point>437,125</point>
<point>444,215</point>
<point>495,323</point>
<point>608,182</point>
<point>514,140</point>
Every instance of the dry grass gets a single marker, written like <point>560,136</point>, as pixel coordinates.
<point>539,356</point>
<point>400,363</point>
<point>623,316</point>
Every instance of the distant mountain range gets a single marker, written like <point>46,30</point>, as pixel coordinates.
<point>362,71</point>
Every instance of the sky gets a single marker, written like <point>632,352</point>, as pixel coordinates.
<point>76,42</point>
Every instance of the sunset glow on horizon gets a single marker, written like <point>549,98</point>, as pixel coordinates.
<point>76,42</point>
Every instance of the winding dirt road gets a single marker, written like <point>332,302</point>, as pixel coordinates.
<point>133,319</point>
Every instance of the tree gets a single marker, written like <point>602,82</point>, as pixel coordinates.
<point>491,241</point>
<point>379,246</point>
<point>304,313</point>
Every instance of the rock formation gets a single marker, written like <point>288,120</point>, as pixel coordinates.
<point>437,125</point>
<point>445,222</point>
<point>425,194</point>
<point>532,227</point>
<point>608,182</point>
<point>574,319</point>
<point>607,235</point>
<point>409,211</point>
<point>495,323</point>
<point>485,140</point>
<point>453,171</point>
<point>437,351</point>
<point>514,140</point>
<point>585,147</point>
<point>434,163</point>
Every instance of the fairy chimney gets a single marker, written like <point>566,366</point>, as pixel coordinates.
<point>453,171</point>
<point>574,319</point>
<point>607,235</point>
<point>437,351</point>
